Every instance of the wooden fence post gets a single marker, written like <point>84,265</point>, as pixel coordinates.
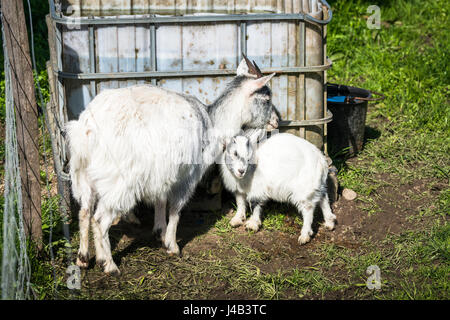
<point>22,82</point>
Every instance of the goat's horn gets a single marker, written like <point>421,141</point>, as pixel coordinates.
<point>251,67</point>
<point>258,71</point>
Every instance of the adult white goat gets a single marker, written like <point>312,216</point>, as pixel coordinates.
<point>145,143</point>
<point>284,168</point>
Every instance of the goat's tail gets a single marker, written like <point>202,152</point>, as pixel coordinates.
<point>324,176</point>
<point>78,136</point>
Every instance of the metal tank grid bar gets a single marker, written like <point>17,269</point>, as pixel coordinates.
<point>326,14</point>
<point>58,19</point>
<point>92,58</point>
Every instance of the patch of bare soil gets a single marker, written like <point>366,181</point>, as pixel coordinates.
<point>208,266</point>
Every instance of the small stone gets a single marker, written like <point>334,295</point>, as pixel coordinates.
<point>349,194</point>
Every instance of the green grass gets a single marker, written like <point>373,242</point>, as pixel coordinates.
<point>414,265</point>
<point>407,61</point>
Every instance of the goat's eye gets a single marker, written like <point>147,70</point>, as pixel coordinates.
<point>235,154</point>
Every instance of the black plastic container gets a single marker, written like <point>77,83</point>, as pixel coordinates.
<point>349,108</point>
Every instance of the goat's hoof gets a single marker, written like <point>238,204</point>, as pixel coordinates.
<point>100,262</point>
<point>112,270</point>
<point>304,239</point>
<point>173,251</point>
<point>329,225</point>
<point>82,260</point>
<point>159,234</point>
<point>236,222</point>
<point>252,225</point>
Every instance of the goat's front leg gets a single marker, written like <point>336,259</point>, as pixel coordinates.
<point>170,239</point>
<point>239,217</point>
<point>254,222</point>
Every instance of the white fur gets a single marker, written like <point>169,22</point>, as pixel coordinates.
<point>287,169</point>
<point>145,143</point>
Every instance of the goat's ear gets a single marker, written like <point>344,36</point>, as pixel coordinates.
<point>255,135</point>
<point>257,84</point>
<point>242,70</point>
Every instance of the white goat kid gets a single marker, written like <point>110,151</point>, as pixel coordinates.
<point>145,143</point>
<point>283,168</point>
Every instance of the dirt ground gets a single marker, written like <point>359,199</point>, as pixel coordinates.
<point>219,262</point>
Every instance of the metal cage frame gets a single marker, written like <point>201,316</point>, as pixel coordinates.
<point>56,108</point>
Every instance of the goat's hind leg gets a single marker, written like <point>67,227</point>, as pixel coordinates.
<point>84,217</point>
<point>179,196</point>
<point>176,203</point>
<point>170,239</point>
<point>104,218</point>
<point>307,210</point>
<point>328,215</point>
<point>99,250</point>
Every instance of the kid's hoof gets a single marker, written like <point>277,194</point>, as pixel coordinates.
<point>330,225</point>
<point>236,222</point>
<point>304,239</point>
<point>252,225</point>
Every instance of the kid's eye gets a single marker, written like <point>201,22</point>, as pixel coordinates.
<point>235,154</point>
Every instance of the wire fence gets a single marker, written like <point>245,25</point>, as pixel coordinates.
<point>16,267</point>
<point>16,271</point>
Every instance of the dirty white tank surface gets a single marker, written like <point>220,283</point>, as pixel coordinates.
<point>115,43</point>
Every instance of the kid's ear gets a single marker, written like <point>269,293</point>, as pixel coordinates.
<point>254,85</point>
<point>255,135</point>
<point>225,143</point>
